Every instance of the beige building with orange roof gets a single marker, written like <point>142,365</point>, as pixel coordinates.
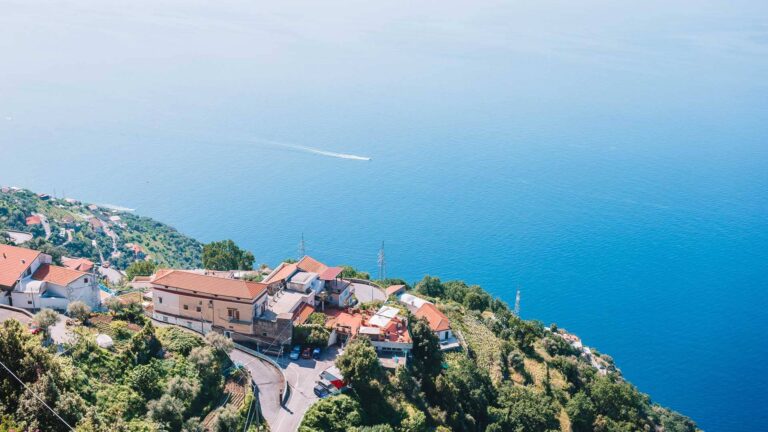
<point>204,303</point>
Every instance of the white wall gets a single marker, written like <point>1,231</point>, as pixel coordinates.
<point>165,302</point>
<point>87,292</point>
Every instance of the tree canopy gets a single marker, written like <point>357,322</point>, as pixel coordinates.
<point>140,268</point>
<point>226,255</point>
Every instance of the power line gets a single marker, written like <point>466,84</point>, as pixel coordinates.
<point>37,397</point>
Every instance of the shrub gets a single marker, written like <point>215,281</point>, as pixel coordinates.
<point>177,340</point>
<point>79,310</point>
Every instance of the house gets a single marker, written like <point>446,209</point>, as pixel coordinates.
<point>412,302</point>
<point>29,280</point>
<point>394,290</point>
<point>34,220</point>
<point>440,325</point>
<point>55,287</point>
<point>79,264</point>
<point>96,224</point>
<point>386,329</point>
<point>204,303</point>
<point>308,274</point>
<point>16,264</point>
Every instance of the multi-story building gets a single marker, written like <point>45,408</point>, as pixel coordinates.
<point>206,303</point>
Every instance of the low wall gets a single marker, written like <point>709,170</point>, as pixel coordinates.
<point>271,362</point>
<point>15,309</point>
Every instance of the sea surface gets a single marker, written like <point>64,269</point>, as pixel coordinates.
<point>609,159</point>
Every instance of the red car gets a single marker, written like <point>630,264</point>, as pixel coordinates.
<point>306,353</point>
<point>34,330</point>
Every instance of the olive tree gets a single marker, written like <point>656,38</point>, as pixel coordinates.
<point>79,310</point>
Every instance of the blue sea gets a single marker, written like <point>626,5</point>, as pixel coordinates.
<point>609,159</point>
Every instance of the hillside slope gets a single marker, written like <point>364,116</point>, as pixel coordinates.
<point>69,227</point>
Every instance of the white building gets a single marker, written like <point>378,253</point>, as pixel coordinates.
<point>29,280</point>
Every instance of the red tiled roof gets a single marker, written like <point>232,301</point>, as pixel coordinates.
<point>303,314</point>
<point>57,275</point>
<point>350,321</point>
<point>437,320</point>
<point>330,273</point>
<point>210,284</point>
<point>394,289</point>
<point>80,264</point>
<point>34,220</point>
<point>284,273</point>
<point>13,262</point>
<point>310,264</point>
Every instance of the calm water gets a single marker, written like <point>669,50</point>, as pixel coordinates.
<point>608,157</point>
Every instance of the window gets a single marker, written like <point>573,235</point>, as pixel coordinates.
<point>199,309</point>
<point>29,301</point>
<point>186,307</point>
<point>233,314</point>
<point>160,300</point>
<point>165,318</point>
<point>264,333</point>
<point>85,280</point>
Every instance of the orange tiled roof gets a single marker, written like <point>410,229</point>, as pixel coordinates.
<point>437,320</point>
<point>80,264</point>
<point>13,262</point>
<point>310,264</point>
<point>57,275</point>
<point>303,314</point>
<point>210,284</point>
<point>350,321</point>
<point>34,220</point>
<point>284,273</point>
<point>393,289</point>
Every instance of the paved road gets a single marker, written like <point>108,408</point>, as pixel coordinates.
<point>301,375</point>
<point>367,293</point>
<point>6,314</point>
<point>46,225</point>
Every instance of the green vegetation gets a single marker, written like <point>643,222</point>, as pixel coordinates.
<point>514,375</point>
<point>75,228</point>
<point>350,272</point>
<point>226,255</point>
<point>140,268</point>
<point>154,382</point>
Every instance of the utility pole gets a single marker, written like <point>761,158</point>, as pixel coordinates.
<point>517,303</point>
<point>382,263</point>
<point>302,247</point>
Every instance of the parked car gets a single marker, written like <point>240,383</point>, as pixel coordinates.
<point>325,388</point>
<point>34,330</point>
<point>316,353</point>
<point>307,353</point>
<point>295,353</point>
<point>321,391</point>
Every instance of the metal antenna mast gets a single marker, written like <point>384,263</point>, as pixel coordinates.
<point>517,303</point>
<point>382,263</point>
<point>302,247</point>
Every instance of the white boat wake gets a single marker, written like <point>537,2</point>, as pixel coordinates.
<point>320,151</point>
